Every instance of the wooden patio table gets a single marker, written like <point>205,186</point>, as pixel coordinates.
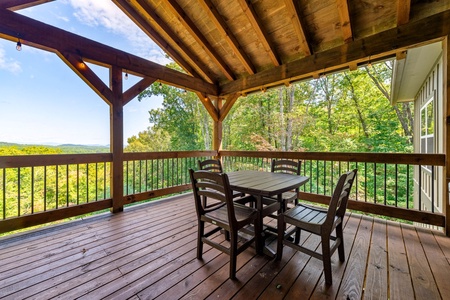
<point>264,185</point>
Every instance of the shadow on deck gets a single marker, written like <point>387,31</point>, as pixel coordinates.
<point>149,251</point>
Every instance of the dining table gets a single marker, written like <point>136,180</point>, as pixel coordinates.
<point>264,185</point>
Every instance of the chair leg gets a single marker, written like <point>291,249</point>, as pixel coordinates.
<point>280,233</point>
<point>201,232</point>
<point>227,234</point>
<point>326,259</point>
<point>233,255</point>
<point>297,236</point>
<point>340,237</point>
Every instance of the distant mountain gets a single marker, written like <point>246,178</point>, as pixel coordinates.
<point>63,148</point>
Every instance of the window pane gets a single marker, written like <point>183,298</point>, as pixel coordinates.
<point>423,120</point>
<point>430,118</point>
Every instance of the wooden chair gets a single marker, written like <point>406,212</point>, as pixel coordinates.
<point>229,216</point>
<point>215,166</point>
<point>290,167</point>
<point>318,221</point>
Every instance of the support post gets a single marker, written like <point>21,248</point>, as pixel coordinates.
<point>217,130</point>
<point>446,102</point>
<point>116,138</point>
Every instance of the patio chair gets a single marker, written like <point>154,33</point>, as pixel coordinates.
<point>215,166</point>
<point>289,167</point>
<point>318,221</point>
<point>229,216</point>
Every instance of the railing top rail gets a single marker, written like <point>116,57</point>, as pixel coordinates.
<point>168,154</point>
<point>20,161</point>
<point>393,158</point>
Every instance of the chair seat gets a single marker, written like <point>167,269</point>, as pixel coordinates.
<point>308,218</point>
<point>241,212</point>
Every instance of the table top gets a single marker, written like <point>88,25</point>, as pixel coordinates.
<point>265,184</point>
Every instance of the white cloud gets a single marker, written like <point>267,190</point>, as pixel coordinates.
<point>9,65</point>
<point>104,13</point>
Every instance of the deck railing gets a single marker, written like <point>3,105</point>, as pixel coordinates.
<point>38,189</point>
<point>393,185</point>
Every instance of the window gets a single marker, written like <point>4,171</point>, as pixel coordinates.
<point>427,128</point>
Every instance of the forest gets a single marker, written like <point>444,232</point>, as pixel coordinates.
<point>348,111</point>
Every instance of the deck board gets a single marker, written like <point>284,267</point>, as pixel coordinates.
<point>149,252</point>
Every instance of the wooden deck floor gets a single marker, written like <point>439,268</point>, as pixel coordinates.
<point>142,254</point>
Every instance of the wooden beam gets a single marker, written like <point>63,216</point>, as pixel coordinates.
<point>262,34</point>
<point>223,28</point>
<point>43,36</point>
<point>21,4</point>
<point>190,26</point>
<point>383,44</point>
<point>136,89</point>
<point>212,110</point>
<point>403,11</point>
<point>159,40</point>
<point>116,142</point>
<point>299,26</point>
<point>76,63</point>
<point>231,99</point>
<point>344,17</point>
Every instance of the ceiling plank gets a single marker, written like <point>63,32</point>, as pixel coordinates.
<point>76,63</point>
<point>21,4</point>
<point>297,21</point>
<point>223,28</point>
<point>47,37</point>
<point>403,11</point>
<point>158,39</point>
<point>189,25</point>
<point>344,16</point>
<point>383,44</point>
<point>136,89</point>
<point>229,102</point>
<point>176,41</point>
<point>263,37</point>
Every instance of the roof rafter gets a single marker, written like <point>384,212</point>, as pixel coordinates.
<point>263,37</point>
<point>195,60</point>
<point>403,10</point>
<point>21,4</point>
<point>200,38</point>
<point>386,43</point>
<point>344,17</point>
<point>297,22</point>
<point>47,37</point>
<point>223,28</point>
<point>157,38</point>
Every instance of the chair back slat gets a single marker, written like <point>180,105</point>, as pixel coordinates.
<point>286,166</point>
<point>338,202</point>
<point>211,165</point>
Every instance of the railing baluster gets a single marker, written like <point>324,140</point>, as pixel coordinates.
<point>385,184</point>
<point>18,192</point>
<point>32,190</point>
<point>67,185</point>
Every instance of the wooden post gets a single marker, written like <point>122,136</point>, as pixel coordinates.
<point>446,103</point>
<point>116,135</point>
<point>217,130</point>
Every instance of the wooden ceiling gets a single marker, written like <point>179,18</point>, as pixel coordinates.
<point>233,47</point>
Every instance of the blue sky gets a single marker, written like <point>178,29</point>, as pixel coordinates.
<point>43,101</point>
